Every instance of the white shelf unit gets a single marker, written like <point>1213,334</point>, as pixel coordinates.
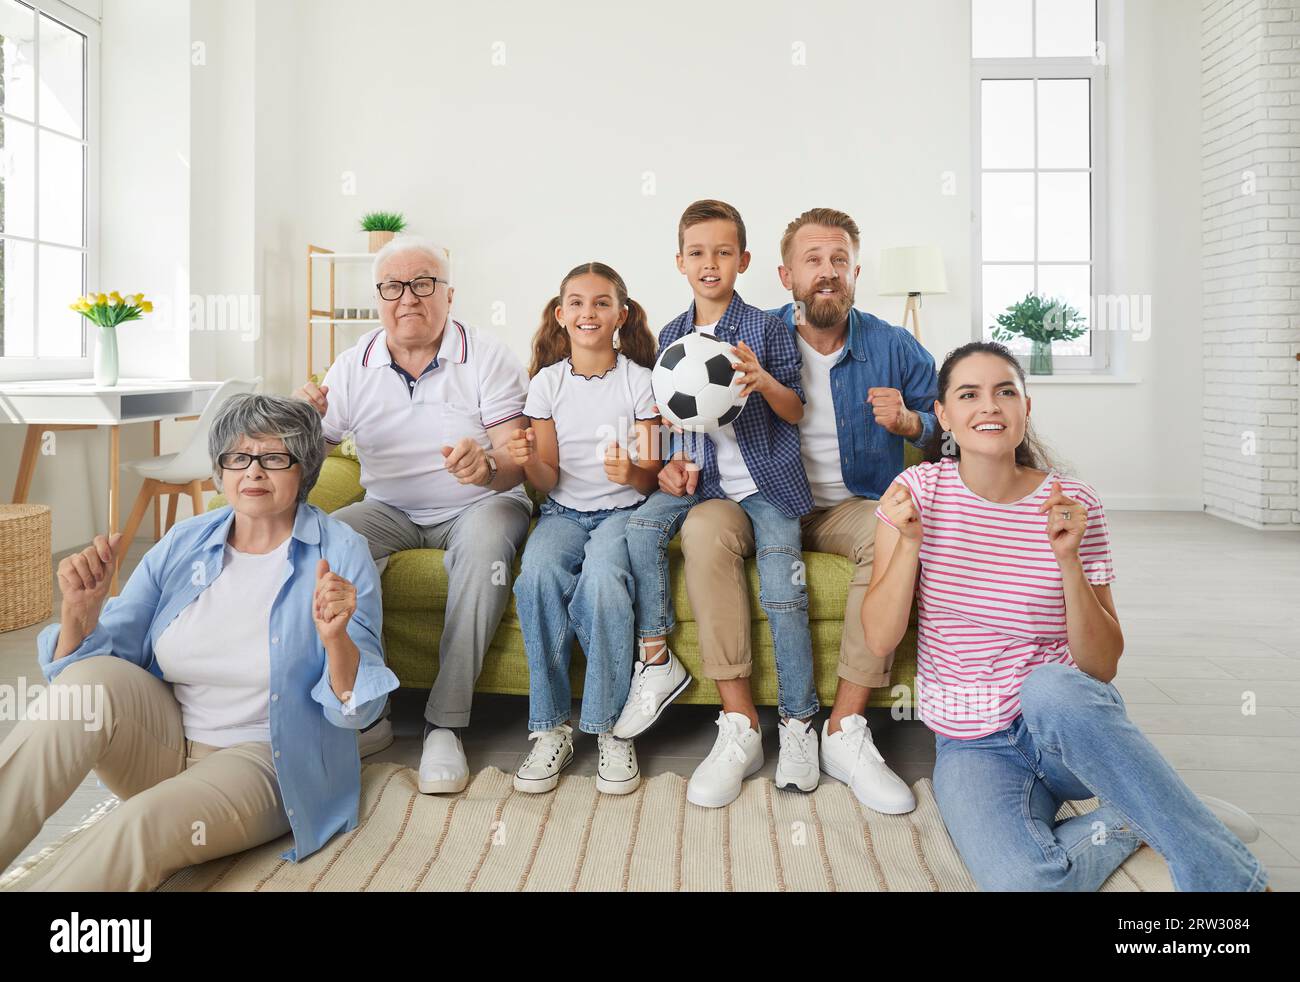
<point>317,316</point>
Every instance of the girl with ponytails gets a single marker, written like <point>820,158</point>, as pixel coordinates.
<point>591,449</point>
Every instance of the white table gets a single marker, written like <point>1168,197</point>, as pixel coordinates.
<point>80,404</point>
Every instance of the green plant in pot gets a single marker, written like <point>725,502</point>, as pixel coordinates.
<point>382,226</point>
<point>1041,321</point>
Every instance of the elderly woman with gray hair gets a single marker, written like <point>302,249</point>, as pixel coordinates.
<point>234,671</point>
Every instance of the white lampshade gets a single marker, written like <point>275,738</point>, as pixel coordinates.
<point>912,269</point>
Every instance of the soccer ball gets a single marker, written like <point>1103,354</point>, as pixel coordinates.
<point>694,385</point>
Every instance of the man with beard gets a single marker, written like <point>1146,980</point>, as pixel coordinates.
<point>869,385</point>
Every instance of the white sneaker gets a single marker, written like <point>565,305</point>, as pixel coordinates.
<point>797,765</point>
<point>552,753</point>
<point>617,772</point>
<point>851,756</point>
<point>443,767</point>
<point>736,754</point>
<point>653,688</point>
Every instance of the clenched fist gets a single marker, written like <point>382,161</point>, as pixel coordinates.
<point>1067,520</point>
<point>898,506</point>
<point>333,603</point>
<point>522,446</point>
<point>316,395</point>
<point>888,409</point>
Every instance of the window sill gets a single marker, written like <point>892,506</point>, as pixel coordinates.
<point>1081,379</point>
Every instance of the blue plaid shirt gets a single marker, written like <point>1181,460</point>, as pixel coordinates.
<point>768,444</point>
<point>877,354</point>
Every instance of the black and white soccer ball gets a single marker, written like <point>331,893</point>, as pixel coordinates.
<point>695,385</point>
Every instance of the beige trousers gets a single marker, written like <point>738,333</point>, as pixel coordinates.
<point>716,540</point>
<point>182,802</point>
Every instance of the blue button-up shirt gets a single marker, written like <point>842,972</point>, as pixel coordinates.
<point>313,734</point>
<point>769,445</point>
<point>876,354</point>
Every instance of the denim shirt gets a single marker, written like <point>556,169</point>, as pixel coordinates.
<point>769,445</point>
<point>876,354</point>
<point>313,734</point>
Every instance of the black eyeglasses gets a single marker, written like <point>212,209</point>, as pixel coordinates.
<point>237,461</point>
<point>421,286</point>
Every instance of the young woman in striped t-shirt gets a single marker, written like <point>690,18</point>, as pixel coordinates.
<point>1017,646</point>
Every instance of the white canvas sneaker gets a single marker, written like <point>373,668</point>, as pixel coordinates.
<point>552,753</point>
<point>797,764</point>
<point>443,767</point>
<point>851,756</point>
<point>617,771</point>
<point>736,754</point>
<point>653,688</point>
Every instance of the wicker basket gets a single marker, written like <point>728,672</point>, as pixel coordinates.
<point>26,579</point>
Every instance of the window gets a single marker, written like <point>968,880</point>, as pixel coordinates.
<point>1038,97</point>
<point>48,59</point>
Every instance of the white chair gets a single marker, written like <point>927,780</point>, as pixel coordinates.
<point>189,471</point>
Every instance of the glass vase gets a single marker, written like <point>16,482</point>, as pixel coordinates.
<point>1040,358</point>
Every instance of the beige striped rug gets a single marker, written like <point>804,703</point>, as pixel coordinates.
<point>492,838</point>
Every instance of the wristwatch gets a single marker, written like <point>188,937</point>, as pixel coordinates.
<point>492,467</point>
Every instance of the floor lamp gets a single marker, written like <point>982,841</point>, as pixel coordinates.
<point>910,271</point>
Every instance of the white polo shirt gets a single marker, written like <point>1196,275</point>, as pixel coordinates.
<point>474,384</point>
<point>590,412</point>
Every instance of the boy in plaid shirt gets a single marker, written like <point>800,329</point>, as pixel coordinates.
<point>755,461</point>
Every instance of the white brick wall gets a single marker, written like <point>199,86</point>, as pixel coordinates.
<point>1250,234</point>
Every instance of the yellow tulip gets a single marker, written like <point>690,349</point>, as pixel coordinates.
<point>116,298</point>
<point>101,300</point>
<point>139,299</point>
<point>147,307</point>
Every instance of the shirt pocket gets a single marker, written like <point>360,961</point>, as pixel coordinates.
<point>454,421</point>
<point>873,434</point>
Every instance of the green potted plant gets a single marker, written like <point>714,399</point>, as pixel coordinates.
<point>1040,320</point>
<point>382,226</point>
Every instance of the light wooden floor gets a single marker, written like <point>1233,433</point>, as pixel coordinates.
<point>1211,615</point>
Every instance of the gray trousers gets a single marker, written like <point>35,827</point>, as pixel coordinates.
<point>480,545</point>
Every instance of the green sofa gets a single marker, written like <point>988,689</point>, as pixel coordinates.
<point>415,592</point>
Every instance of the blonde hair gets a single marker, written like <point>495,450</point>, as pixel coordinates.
<point>828,217</point>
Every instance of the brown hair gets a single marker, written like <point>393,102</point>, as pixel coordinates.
<point>708,210</point>
<point>1031,452</point>
<point>635,340</point>
<point>820,216</point>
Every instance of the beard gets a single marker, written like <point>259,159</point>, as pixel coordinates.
<point>825,311</point>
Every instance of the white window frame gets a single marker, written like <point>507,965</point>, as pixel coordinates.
<point>1101,360</point>
<point>15,368</point>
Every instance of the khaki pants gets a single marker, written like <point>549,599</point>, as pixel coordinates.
<point>717,539</point>
<point>182,802</point>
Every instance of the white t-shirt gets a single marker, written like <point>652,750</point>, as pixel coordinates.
<point>216,653</point>
<point>590,412</point>
<point>400,430</point>
<point>819,437</point>
<point>733,474</point>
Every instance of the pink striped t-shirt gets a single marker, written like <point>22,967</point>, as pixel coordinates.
<point>991,603</point>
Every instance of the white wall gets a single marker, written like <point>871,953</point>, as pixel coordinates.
<point>528,167</point>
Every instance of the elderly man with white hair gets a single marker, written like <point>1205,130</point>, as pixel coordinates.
<point>431,403</point>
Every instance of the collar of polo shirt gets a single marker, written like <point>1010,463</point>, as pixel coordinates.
<point>454,346</point>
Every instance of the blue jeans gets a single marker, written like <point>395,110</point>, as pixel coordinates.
<point>999,795</point>
<point>783,594</point>
<point>575,580</point>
